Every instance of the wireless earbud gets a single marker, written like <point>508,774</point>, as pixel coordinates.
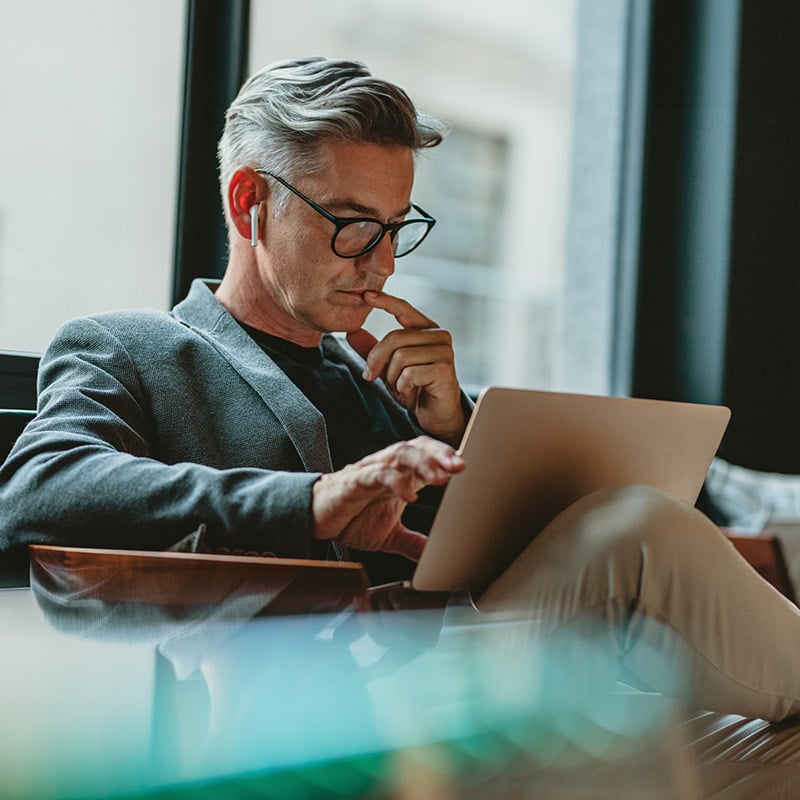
<point>254,225</point>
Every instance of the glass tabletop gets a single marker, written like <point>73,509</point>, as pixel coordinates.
<point>111,698</point>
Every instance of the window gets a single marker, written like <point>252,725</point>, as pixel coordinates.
<point>91,104</point>
<point>522,265</point>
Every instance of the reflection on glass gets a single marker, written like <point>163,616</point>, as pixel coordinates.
<point>352,704</point>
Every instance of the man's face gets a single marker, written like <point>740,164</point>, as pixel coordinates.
<point>310,290</point>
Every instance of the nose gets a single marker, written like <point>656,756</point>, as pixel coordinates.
<point>379,260</point>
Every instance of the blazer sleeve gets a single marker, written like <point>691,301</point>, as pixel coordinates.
<point>83,473</point>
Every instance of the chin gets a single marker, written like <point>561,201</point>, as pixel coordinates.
<point>347,323</point>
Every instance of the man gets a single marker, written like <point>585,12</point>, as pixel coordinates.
<point>241,413</point>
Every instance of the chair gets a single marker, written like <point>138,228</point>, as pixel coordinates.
<point>17,394</point>
<point>12,421</point>
<point>764,551</point>
<point>18,379</point>
<point>14,563</point>
<point>765,554</point>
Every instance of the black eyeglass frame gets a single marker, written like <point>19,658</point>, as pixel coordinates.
<point>392,228</point>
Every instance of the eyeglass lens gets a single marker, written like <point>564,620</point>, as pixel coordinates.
<point>357,237</point>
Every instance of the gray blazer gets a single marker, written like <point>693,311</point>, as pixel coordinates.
<point>151,423</point>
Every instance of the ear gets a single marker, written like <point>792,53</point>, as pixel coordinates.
<point>245,190</point>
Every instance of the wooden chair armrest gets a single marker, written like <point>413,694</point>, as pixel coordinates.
<point>764,553</point>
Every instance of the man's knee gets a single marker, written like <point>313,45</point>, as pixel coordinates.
<point>633,518</point>
<point>605,544</point>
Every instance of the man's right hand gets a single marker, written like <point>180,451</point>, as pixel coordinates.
<point>361,505</point>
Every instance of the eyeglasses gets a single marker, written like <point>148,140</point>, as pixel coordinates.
<point>355,236</point>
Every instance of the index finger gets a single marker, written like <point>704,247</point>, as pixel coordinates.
<point>401,310</point>
<point>433,461</point>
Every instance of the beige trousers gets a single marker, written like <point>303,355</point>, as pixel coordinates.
<point>684,614</point>
<point>684,610</point>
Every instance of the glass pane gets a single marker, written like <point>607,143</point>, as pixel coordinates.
<point>501,73</point>
<point>88,152</point>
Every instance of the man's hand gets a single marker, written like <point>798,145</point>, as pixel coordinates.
<point>417,365</point>
<point>362,503</point>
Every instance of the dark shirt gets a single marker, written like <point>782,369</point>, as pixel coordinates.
<point>357,425</point>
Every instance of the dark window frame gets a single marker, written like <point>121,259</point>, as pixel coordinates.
<point>216,64</point>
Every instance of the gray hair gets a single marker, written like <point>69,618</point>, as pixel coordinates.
<point>285,111</point>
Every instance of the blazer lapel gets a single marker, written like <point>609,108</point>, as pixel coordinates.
<point>303,423</point>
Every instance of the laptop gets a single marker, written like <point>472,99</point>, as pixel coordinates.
<point>531,454</point>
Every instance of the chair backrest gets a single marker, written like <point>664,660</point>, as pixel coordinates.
<point>12,421</point>
<point>18,379</point>
<point>13,564</point>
